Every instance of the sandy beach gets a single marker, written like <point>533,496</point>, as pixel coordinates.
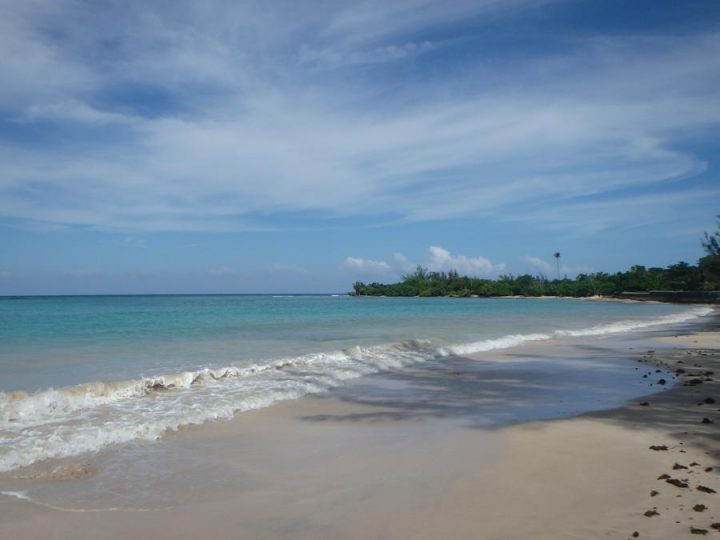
<point>412,459</point>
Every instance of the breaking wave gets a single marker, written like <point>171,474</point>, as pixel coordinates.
<point>514,340</point>
<point>73,420</point>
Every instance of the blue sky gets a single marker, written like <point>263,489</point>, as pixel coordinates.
<point>179,146</point>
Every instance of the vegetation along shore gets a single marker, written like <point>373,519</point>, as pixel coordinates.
<point>703,277</point>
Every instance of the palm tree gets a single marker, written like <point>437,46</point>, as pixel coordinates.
<point>557,262</point>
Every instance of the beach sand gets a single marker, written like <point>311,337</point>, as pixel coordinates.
<point>355,465</point>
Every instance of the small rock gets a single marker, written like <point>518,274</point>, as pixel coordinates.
<point>708,469</point>
<point>659,447</point>
<point>635,534</point>
<point>706,420</point>
<point>644,404</point>
<point>677,466</point>
<point>677,482</point>
<point>695,530</point>
<point>715,526</point>
<point>708,401</point>
<point>663,477</point>
<point>653,493</point>
<point>694,464</point>
<point>651,513</point>
<point>706,489</point>
<point>699,507</point>
<point>662,381</point>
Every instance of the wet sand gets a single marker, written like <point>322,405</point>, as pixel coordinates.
<point>401,463</point>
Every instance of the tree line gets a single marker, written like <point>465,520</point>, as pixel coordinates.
<point>705,275</point>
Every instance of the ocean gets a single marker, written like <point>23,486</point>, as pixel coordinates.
<point>80,374</point>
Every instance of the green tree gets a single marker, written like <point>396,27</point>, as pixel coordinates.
<point>711,244</point>
<point>709,268</point>
<point>681,277</point>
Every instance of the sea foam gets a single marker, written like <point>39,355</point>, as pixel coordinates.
<point>514,340</point>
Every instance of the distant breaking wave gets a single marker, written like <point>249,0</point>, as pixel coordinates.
<point>513,340</point>
<point>88,417</point>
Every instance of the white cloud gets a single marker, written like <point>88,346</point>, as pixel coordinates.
<point>366,266</point>
<point>402,264</point>
<point>370,21</point>
<point>441,259</point>
<point>583,217</point>
<point>135,241</point>
<point>438,259</point>
<point>264,118</point>
<point>333,57</point>
<point>540,264</point>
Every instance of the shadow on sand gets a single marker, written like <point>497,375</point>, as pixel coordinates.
<point>593,380</point>
<point>521,387</point>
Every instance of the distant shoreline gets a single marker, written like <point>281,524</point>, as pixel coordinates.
<point>680,282</point>
<point>652,297</point>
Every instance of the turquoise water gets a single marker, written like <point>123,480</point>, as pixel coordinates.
<point>58,341</point>
<point>83,373</point>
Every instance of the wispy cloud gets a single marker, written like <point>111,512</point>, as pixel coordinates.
<point>583,216</point>
<point>333,58</point>
<point>223,116</point>
<point>540,264</point>
<point>135,241</point>
<point>549,269</point>
<point>366,266</point>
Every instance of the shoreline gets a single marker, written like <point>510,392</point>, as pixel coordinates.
<point>644,298</point>
<point>683,426</point>
<point>328,467</point>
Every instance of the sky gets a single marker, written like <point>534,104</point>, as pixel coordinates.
<point>296,146</point>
